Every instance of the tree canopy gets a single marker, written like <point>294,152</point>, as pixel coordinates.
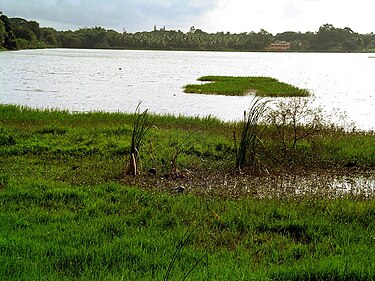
<point>18,33</point>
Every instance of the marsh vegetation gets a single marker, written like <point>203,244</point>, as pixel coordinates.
<point>69,211</point>
<point>239,86</point>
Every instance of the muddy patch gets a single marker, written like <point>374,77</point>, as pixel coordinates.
<point>324,184</point>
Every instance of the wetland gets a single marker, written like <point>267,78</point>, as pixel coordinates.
<point>299,207</point>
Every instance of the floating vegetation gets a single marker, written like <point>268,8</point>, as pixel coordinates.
<point>241,86</point>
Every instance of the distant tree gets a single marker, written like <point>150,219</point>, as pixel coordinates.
<point>265,38</point>
<point>115,39</point>
<point>18,32</point>
<point>34,26</point>
<point>26,30</point>
<point>369,41</point>
<point>95,38</point>
<point>191,29</point>
<point>49,36</point>
<point>324,39</point>
<point>329,38</point>
<point>69,39</point>
<point>25,33</point>
<point>10,42</point>
<point>288,36</point>
<point>2,34</point>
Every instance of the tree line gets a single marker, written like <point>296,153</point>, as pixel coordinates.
<point>18,33</point>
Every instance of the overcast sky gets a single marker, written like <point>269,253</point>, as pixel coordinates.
<point>234,16</point>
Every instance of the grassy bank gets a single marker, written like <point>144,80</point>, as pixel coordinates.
<point>69,212</point>
<point>195,144</point>
<point>239,86</point>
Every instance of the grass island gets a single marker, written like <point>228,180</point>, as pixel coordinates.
<point>240,86</point>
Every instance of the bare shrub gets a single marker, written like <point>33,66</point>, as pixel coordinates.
<point>295,120</point>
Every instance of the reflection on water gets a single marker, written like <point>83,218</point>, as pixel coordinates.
<point>327,185</point>
<point>112,80</point>
<point>314,185</point>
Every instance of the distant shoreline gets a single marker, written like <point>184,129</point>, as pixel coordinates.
<point>196,50</point>
<point>24,34</point>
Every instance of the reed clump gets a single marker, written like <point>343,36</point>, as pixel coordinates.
<point>140,127</point>
<point>251,133</point>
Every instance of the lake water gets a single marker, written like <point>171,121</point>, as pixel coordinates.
<point>113,80</point>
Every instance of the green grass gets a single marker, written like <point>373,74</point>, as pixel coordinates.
<point>239,86</point>
<point>68,212</point>
<point>59,231</point>
<point>102,141</point>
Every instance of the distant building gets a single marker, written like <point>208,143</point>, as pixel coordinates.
<point>279,46</point>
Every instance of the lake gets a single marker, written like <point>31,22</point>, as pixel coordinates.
<point>116,80</point>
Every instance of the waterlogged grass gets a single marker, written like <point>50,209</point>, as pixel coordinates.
<point>66,214</point>
<point>102,141</point>
<point>59,231</point>
<point>239,86</point>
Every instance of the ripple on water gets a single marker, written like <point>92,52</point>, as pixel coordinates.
<point>97,72</point>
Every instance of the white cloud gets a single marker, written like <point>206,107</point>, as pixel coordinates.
<point>208,15</point>
<point>294,15</point>
<point>136,15</point>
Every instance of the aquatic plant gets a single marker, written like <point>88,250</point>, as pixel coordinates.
<point>251,133</point>
<point>140,128</point>
<point>240,86</point>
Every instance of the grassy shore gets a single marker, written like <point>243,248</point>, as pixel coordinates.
<point>69,212</point>
<point>239,86</point>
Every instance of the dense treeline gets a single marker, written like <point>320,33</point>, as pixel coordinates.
<point>18,33</point>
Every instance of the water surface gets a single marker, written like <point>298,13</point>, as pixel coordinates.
<point>113,80</point>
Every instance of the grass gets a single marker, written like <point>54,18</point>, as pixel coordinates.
<point>103,141</point>
<point>59,231</point>
<point>240,86</point>
<point>68,211</point>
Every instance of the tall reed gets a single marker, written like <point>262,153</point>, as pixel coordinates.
<point>251,133</point>
<point>140,128</point>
